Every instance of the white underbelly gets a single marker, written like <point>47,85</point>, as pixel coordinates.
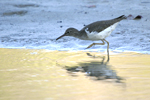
<point>101,35</point>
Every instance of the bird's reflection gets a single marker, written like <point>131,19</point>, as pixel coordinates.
<point>95,70</point>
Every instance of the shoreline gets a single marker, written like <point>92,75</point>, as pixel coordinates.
<point>93,50</point>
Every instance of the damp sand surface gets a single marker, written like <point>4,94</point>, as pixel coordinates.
<point>64,75</point>
<point>35,24</point>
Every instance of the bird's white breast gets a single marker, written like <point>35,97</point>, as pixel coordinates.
<point>101,35</point>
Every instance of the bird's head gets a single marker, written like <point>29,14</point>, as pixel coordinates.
<point>69,32</point>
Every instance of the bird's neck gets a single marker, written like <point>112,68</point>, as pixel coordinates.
<point>76,34</point>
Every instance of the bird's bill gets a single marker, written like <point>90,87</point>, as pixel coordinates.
<point>60,37</point>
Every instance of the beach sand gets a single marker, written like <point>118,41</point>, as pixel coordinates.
<point>65,75</point>
<point>36,24</point>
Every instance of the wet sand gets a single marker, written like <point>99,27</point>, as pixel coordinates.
<point>65,75</point>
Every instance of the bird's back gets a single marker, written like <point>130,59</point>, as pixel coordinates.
<point>100,29</point>
<point>101,25</point>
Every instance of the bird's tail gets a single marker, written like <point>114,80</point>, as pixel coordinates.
<point>130,17</point>
<point>121,17</point>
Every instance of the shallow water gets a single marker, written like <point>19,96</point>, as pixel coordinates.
<point>64,75</point>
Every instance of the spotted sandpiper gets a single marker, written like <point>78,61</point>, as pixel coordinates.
<point>95,31</point>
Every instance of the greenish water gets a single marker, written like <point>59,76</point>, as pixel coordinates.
<point>60,75</point>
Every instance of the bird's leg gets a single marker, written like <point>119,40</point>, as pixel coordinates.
<point>107,49</point>
<point>101,44</point>
<point>96,44</point>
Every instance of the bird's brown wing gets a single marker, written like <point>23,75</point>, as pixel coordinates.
<point>101,25</point>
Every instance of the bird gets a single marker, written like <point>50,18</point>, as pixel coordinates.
<point>95,31</point>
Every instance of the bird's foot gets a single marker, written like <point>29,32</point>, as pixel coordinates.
<point>88,47</point>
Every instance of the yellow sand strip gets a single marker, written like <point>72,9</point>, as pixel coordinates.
<point>61,75</point>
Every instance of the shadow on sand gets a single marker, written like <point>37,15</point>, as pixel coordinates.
<point>95,70</point>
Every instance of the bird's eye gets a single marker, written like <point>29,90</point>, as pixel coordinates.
<point>68,32</point>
